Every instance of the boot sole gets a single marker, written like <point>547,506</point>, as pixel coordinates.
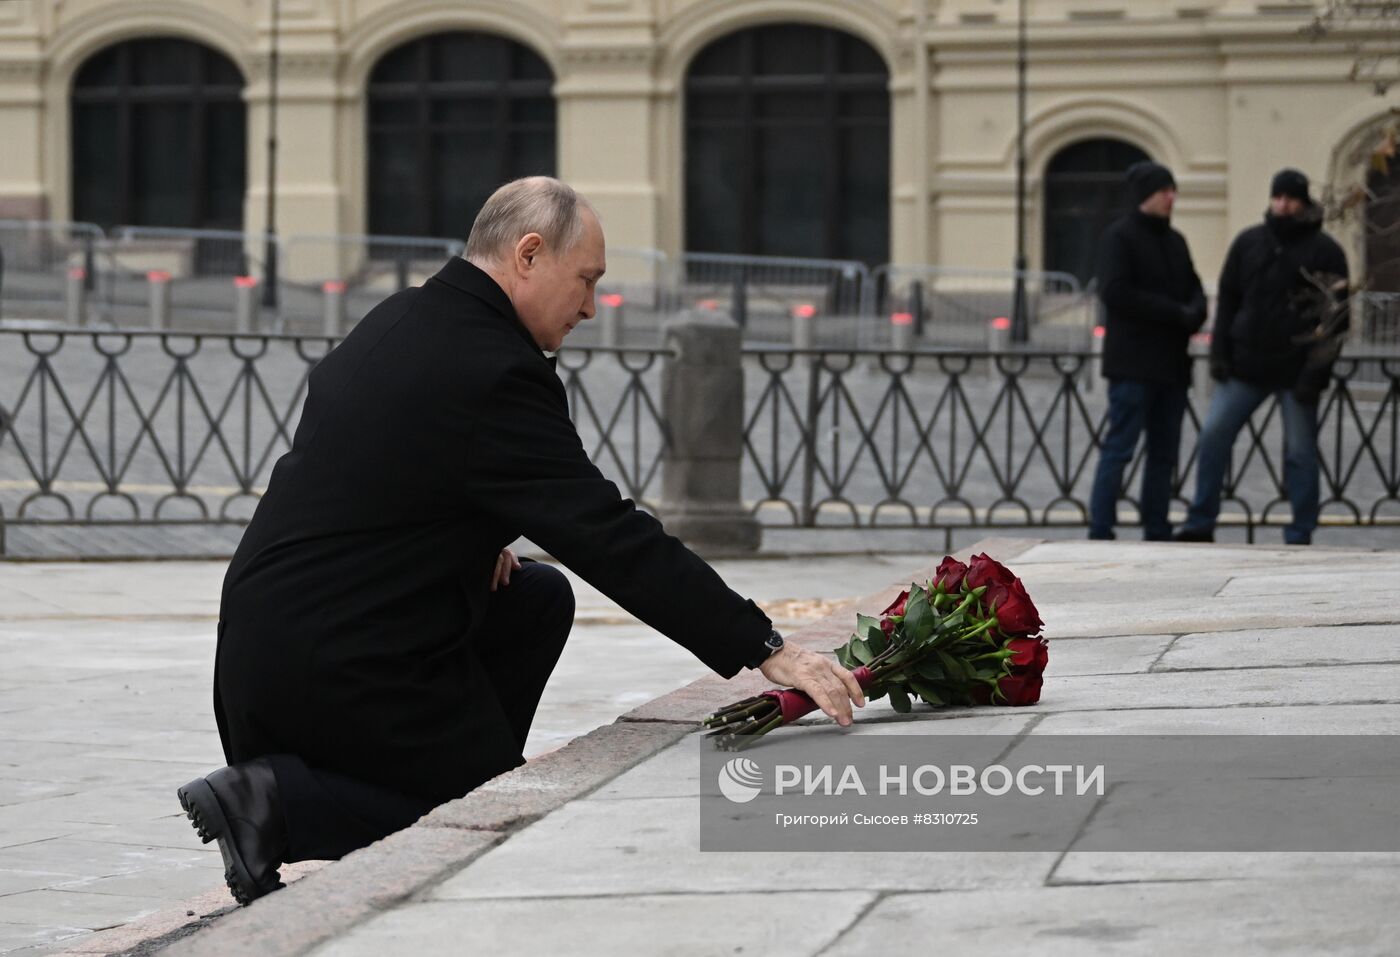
<point>207,817</point>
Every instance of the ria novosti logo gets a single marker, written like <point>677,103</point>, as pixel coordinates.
<point>740,780</point>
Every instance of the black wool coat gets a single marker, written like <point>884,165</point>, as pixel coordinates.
<point>1265,300</point>
<point>1152,298</point>
<point>431,437</point>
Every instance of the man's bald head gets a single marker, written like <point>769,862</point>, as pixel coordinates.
<point>536,204</point>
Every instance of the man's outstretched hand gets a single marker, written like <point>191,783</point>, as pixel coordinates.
<point>832,687</point>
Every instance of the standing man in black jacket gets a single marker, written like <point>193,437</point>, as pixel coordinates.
<point>1154,303</point>
<point>380,651</point>
<point>1267,311</point>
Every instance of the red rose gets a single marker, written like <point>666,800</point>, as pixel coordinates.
<point>986,570</point>
<point>897,606</point>
<point>887,626</point>
<point>1027,652</point>
<point>950,573</point>
<point>1016,614</point>
<point>1013,689</point>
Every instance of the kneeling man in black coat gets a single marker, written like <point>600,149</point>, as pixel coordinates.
<point>380,650</point>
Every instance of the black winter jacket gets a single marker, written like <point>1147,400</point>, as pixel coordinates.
<point>1262,309</point>
<point>1153,299</point>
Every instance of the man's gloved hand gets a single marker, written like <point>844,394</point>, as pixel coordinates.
<point>832,687</point>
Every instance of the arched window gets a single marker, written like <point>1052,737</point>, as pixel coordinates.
<point>788,145</point>
<point>451,117</point>
<point>159,136</point>
<point>1084,192</point>
<point>1383,228</point>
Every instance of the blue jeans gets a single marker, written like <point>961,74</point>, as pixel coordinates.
<point>1230,408</point>
<point>1136,407</point>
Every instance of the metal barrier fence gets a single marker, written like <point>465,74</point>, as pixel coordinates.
<point>775,299</point>
<point>953,306</point>
<point>326,282</point>
<point>1376,319</point>
<point>48,269</point>
<point>971,439</point>
<point>197,267</point>
<point>148,429</point>
<point>364,270</point>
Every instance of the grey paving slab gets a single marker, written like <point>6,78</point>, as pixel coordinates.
<point>1168,614</point>
<point>651,846</point>
<point>1351,684</point>
<point>1212,917</point>
<point>69,909</point>
<point>683,925</point>
<point>1259,867</point>
<point>1282,719</point>
<point>1288,584</point>
<point>13,881</point>
<point>170,882</point>
<point>1283,647</point>
<point>1107,654</point>
<point>675,772</point>
<point>86,860</point>
<point>28,936</point>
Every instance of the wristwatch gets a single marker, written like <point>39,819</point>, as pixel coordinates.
<point>771,646</point>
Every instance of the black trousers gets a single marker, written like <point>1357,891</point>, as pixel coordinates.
<point>330,814</point>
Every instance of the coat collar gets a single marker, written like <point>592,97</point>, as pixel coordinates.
<point>475,282</point>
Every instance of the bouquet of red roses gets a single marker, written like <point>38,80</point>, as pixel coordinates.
<point>971,635</point>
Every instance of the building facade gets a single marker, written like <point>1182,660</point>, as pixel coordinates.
<point>879,130</point>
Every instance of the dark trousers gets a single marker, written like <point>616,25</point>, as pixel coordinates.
<point>1135,408</point>
<point>1231,405</point>
<point>329,814</point>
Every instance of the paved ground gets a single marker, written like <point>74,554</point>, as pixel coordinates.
<point>594,849</point>
<point>104,710</point>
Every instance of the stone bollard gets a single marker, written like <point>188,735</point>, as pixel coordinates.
<point>245,303</point>
<point>1201,382</point>
<point>901,331</point>
<point>158,291</point>
<point>1093,368</point>
<point>803,317</point>
<point>998,341</point>
<point>610,320</point>
<point>702,400</point>
<point>332,308</point>
<point>75,296</point>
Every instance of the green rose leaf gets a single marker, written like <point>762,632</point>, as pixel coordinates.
<point>930,668</point>
<point>926,691</point>
<point>919,620</point>
<point>900,701</point>
<point>861,650</point>
<point>867,627</point>
<point>952,667</point>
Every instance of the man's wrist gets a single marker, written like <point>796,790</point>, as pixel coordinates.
<point>771,646</point>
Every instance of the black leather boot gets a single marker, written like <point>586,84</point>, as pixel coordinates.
<point>238,807</point>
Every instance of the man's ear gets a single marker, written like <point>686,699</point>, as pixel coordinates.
<point>526,252</point>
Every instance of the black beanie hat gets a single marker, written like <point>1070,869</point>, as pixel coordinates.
<point>1145,178</point>
<point>1290,182</point>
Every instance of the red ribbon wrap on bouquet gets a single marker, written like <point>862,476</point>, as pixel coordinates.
<point>795,704</point>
